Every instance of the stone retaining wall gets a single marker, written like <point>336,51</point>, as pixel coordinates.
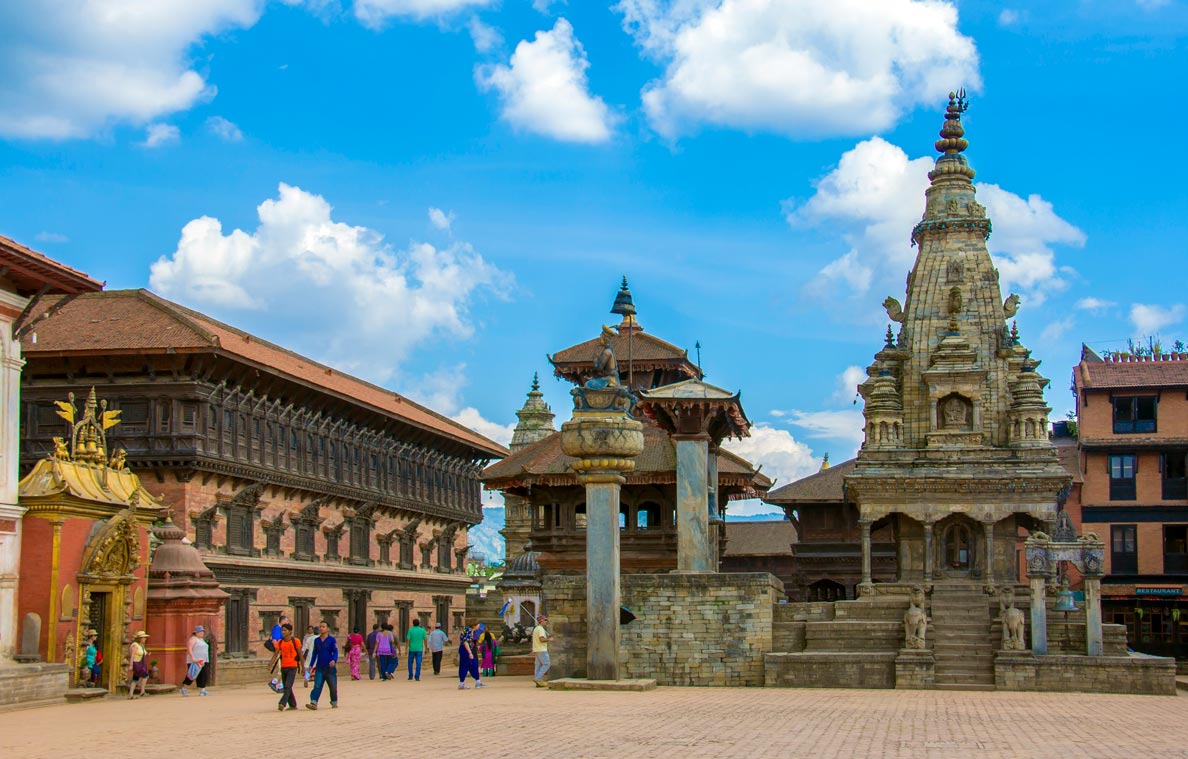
<point>831,670</point>
<point>22,684</point>
<point>1135,673</point>
<point>690,629</point>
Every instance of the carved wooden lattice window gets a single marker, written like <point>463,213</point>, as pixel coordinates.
<point>240,530</point>
<point>385,548</point>
<point>189,417</point>
<point>133,417</point>
<point>441,609</point>
<point>204,528</point>
<point>361,540</point>
<point>332,537</point>
<point>406,552</point>
<point>272,535</point>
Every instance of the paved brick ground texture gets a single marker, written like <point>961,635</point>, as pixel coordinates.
<point>511,718</point>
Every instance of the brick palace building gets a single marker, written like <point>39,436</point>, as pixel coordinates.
<point>307,491</point>
<point>1132,427</point>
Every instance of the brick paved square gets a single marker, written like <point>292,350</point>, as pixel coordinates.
<point>510,718</point>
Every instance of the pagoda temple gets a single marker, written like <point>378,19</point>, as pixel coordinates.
<point>546,504</point>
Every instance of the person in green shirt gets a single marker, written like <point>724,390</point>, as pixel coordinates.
<point>416,648</point>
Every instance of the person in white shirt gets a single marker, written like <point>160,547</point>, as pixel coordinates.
<point>198,661</point>
<point>437,643</point>
<point>540,647</point>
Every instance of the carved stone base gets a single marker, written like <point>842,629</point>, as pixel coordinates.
<point>915,669</point>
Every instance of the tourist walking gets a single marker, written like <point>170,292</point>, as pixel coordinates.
<point>138,658</point>
<point>468,657</point>
<point>488,647</point>
<point>307,653</point>
<point>288,650</point>
<point>394,661</point>
<point>324,661</point>
<point>354,652</point>
<point>383,651</point>
<point>416,648</point>
<point>371,639</point>
<point>92,658</point>
<point>437,643</point>
<point>197,662</point>
<point>540,649</point>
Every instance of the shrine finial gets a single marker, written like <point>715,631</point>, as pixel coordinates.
<point>952,133</point>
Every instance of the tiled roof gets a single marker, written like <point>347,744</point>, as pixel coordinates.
<point>30,271</point>
<point>1070,457</point>
<point>773,538</point>
<point>644,348</point>
<point>1170,370</point>
<point>135,321</point>
<point>820,487</point>
<point>544,459</point>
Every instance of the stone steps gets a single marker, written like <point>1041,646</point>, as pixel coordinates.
<point>962,638</point>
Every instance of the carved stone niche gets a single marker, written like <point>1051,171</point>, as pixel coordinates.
<point>954,413</point>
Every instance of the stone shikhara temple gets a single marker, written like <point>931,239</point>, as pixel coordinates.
<point>956,476</point>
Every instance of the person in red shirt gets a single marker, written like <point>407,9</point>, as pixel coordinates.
<point>288,650</point>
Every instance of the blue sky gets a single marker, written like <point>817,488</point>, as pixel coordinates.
<point>434,194</point>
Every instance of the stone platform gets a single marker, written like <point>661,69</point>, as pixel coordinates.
<point>577,683</point>
<point>29,684</point>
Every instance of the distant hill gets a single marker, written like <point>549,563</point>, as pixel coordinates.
<point>777,516</point>
<point>485,537</point>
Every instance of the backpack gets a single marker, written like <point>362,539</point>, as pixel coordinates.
<point>98,658</point>
<point>270,644</point>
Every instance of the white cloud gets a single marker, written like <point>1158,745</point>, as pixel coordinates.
<point>441,390</point>
<point>876,195</point>
<point>1094,304</point>
<point>470,417</point>
<point>844,426</point>
<point>546,6</point>
<point>157,135</point>
<point>752,506</point>
<point>374,13</point>
<point>797,67</point>
<point>1008,17</point>
<point>224,129</point>
<point>301,265</point>
<point>53,237</point>
<point>1056,330</point>
<point>486,38</point>
<point>1150,319</point>
<point>783,457</point>
<point>74,67</point>
<point>441,219</point>
<point>847,384</point>
<point>544,89</point>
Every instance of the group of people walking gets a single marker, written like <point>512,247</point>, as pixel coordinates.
<point>316,657</point>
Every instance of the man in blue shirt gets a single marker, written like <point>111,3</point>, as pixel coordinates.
<point>325,655</point>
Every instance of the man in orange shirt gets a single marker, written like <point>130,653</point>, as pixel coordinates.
<point>288,650</point>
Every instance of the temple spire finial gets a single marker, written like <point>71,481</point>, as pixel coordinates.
<point>952,133</point>
<point>536,382</point>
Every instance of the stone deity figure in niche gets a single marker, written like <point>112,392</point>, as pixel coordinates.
<point>915,621</point>
<point>955,414</point>
<point>606,366</point>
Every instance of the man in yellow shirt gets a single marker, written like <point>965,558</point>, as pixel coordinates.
<point>540,647</point>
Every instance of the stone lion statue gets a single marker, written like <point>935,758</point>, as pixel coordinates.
<point>894,309</point>
<point>1012,622</point>
<point>915,621</point>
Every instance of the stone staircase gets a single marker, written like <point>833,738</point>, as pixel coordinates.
<point>961,642</point>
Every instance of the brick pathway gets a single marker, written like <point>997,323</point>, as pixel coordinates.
<point>510,718</point>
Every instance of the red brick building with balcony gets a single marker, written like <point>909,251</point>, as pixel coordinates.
<point>1132,429</point>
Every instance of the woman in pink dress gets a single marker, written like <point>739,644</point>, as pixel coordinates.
<point>488,644</point>
<point>354,652</point>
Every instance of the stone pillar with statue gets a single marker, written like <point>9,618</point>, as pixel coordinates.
<point>698,416</point>
<point>604,438</point>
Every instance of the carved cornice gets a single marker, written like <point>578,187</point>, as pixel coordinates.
<point>335,576</point>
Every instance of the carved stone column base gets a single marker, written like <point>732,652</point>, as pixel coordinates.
<point>866,590</point>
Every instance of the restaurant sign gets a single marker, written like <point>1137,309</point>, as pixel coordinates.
<point>1158,591</point>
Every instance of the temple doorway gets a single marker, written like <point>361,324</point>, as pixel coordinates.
<point>826,590</point>
<point>956,549</point>
<point>100,617</point>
